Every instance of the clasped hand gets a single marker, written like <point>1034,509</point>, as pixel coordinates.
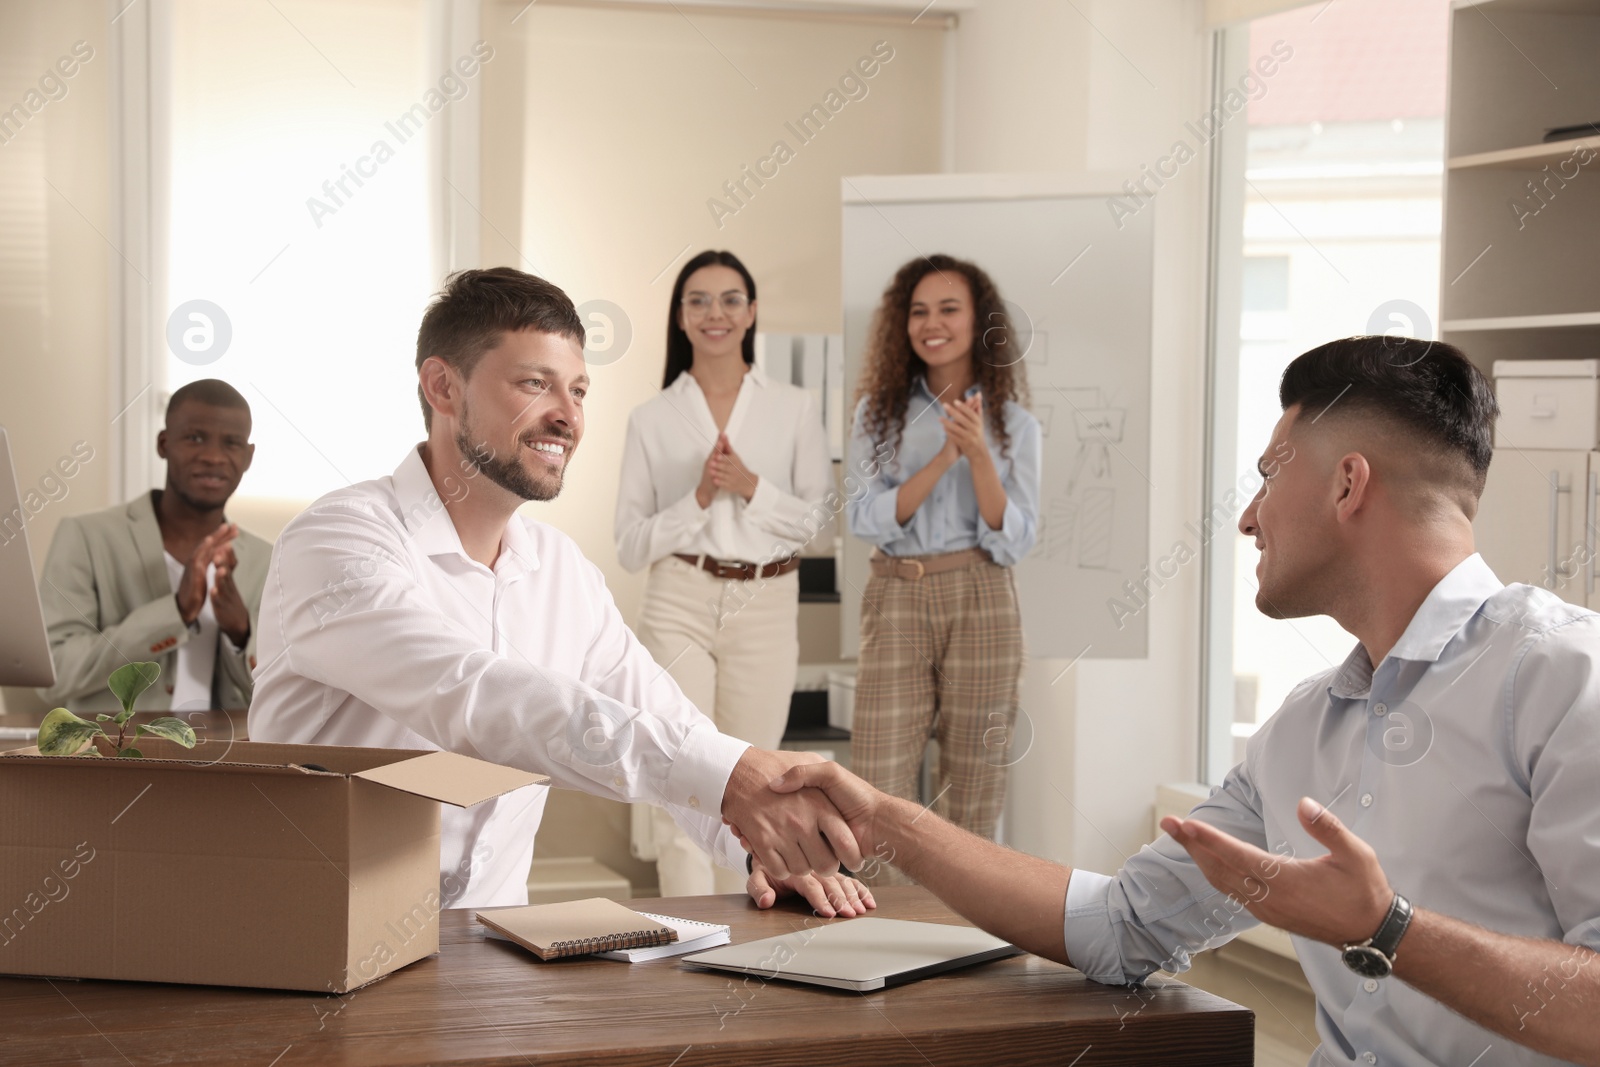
<point>227,604</point>
<point>963,429</point>
<point>797,836</point>
<point>794,834</point>
<point>724,471</point>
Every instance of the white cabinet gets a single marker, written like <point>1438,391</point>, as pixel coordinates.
<point>1536,522</point>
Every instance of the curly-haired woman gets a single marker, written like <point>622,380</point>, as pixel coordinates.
<point>952,508</point>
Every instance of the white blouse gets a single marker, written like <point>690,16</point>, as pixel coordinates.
<point>777,432</point>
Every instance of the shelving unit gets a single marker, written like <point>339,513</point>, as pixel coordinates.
<point>1517,277</point>
<point>1520,214</point>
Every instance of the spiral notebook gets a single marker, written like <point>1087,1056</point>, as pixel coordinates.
<point>693,936</point>
<point>576,927</point>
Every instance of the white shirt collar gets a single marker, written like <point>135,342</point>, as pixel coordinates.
<point>685,380</point>
<point>433,532</point>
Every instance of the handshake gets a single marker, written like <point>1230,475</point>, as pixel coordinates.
<point>801,817</point>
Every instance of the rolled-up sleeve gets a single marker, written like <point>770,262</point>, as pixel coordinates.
<point>1019,528</point>
<point>1159,909</point>
<point>870,511</point>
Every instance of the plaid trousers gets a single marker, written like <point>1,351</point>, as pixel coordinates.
<point>941,656</point>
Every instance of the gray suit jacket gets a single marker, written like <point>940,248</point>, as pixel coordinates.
<point>108,601</point>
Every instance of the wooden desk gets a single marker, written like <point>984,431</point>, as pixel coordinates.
<point>484,1002</point>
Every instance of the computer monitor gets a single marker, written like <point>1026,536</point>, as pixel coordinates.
<point>24,645</point>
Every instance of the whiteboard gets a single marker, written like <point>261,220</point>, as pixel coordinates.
<point>1080,290</point>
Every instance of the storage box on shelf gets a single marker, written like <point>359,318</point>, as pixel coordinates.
<point>1548,403</point>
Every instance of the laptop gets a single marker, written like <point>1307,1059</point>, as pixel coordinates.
<point>859,954</point>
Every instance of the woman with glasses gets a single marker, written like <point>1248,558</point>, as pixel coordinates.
<point>718,473</point>
<point>952,507</point>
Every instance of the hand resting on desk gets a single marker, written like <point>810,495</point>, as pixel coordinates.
<point>830,895</point>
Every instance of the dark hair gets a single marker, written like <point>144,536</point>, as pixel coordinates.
<point>680,353</point>
<point>467,317</point>
<point>1429,388</point>
<point>213,391</point>
<point>892,365</point>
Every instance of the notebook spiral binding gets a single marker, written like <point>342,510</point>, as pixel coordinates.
<point>610,943</point>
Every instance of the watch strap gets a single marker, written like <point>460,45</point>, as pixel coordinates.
<point>1395,924</point>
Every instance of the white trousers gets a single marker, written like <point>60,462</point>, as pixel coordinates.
<point>733,647</point>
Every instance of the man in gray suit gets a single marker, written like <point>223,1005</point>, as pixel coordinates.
<point>164,577</point>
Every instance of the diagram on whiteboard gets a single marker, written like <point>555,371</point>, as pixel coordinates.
<point>1077,523</point>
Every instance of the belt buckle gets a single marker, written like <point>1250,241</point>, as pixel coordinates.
<point>917,563</point>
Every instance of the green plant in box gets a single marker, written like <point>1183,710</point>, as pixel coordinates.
<point>63,734</point>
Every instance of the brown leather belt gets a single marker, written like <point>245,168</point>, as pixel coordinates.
<point>914,567</point>
<point>737,570</point>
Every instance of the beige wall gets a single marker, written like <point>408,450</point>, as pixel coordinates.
<point>54,224</point>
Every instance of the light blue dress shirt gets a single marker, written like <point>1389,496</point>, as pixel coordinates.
<point>948,520</point>
<point>1469,760</point>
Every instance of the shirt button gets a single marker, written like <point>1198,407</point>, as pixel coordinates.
<point>1368,1057</point>
<point>694,802</point>
<point>1380,709</point>
<point>1370,985</point>
<point>1366,800</point>
<point>619,780</point>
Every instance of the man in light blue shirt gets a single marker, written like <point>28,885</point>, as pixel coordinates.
<point>1423,819</point>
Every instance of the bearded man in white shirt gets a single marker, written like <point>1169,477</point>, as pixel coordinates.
<point>422,611</point>
<point>1423,819</point>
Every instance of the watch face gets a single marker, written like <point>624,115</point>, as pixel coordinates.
<point>1366,961</point>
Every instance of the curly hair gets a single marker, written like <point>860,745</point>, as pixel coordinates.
<point>892,366</point>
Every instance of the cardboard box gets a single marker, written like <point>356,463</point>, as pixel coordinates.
<point>234,863</point>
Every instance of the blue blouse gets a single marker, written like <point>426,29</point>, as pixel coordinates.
<point>948,520</point>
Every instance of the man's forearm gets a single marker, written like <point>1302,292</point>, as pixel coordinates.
<point>1010,894</point>
<point>1539,993</point>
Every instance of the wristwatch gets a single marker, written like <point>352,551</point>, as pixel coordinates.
<point>1374,957</point>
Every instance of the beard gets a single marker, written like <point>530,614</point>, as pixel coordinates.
<point>507,471</point>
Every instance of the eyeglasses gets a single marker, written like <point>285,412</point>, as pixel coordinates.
<point>733,302</point>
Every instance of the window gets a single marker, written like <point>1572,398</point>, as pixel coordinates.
<point>299,214</point>
<point>1326,224</point>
